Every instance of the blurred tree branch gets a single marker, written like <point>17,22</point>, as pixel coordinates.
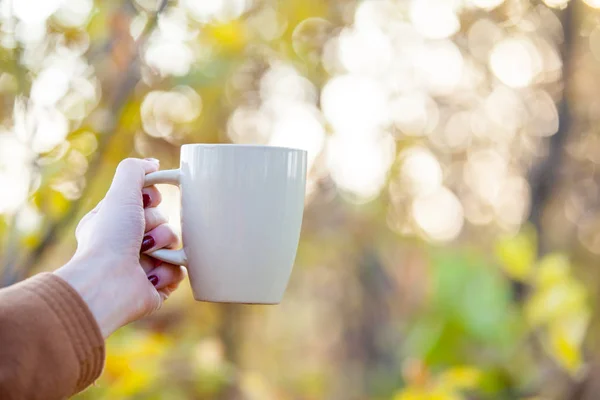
<point>230,332</point>
<point>11,274</point>
<point>544,175</point>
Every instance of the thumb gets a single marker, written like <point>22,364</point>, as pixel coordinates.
<point>129,180</point>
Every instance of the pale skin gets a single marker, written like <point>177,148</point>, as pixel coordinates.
<point>110,269</point>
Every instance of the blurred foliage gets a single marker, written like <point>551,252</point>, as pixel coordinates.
<point>450,238</point>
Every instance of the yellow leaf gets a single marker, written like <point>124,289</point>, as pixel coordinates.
<point>411,393</point>
<point>230,36</point>
<point>552,269</point>
<point>136,356</point>
<point>134,382</point>
<point>298,10</point>
<point>30,241</point>
<point>517,255</point>
<point>564,350</point>
<point>460,378</point>
<point>549,304</point>
<point>443,394</point>
<point>56,204</point>
<point>85,142</point>
<point>255,386</point>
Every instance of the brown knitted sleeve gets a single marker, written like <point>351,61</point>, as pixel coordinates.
<point>50,344</point>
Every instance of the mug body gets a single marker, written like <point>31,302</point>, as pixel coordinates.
<point>241,214</point>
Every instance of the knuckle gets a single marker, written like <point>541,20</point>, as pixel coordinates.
<point>128,163</point>
<point>157,196</point>
<point>172,234</point>
<point>157,300</point>
<point>182,273</point>
<point>173,237</point>
<point>151,303</point>
<point>154,217</point>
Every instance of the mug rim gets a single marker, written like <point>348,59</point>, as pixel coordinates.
<point>249,146</point>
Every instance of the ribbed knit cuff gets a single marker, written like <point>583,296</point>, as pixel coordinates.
<point>78,322</point>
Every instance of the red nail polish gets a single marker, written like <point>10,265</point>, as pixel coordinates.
<point>147,243</point>
<point>156,262</point>
<point>146,199</point>
<point>153,279</point>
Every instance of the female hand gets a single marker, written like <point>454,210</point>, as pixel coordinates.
<point>118,284</point>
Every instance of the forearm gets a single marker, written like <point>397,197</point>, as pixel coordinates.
<point>50,344</point>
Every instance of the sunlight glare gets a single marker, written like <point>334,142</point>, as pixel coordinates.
<point>420,173</point>
<point>515,61</point>
<point>378,14</point>
<point>354,105</point>
<point>415,114</point>
<point>543,114</point>
<point>364,51</point>
<point>30,219</point>
<point>486,4</point>
<point>49,86</point>
<point>173,25</point>
<point>74,13</point>
<point>162,111</point>
<point>560,4</point>
<point>43,127</point>
<point>249,125</point>
<point>360,166</point>
<point>221,10</point>
<point>592,3</point>
<point>299,126</point>
<point>440,66</point>
<point>283,83</point>
<point>512,204</point>
<point>34,11</point>
<point>439,215</point>
<point>485,172</point>
<point>504,107</point>
<point>435,19</point>
<point>457,132</point>
<point>310,37</point>
<point>14,172</point>
<point>170,57</point>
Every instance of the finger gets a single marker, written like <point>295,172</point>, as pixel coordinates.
<point>166,276</point>
<point>163,236</point>
<point>129,180</point>
<point>151,196</point>
<point>148,263</point>
<point>154,217</point>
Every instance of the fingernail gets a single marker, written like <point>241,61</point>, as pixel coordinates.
<point>153,279</point>
<point>154,160</point>
<point>156,262</point>
<point>146,199</point>
<point>147,243</point>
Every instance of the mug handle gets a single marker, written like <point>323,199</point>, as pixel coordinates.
<point>171,177</point>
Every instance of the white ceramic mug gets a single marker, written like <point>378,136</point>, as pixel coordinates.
<point>241,213</point>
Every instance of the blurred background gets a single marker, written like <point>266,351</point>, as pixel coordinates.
<point>451,235</point>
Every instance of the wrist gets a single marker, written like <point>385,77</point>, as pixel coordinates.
<point>85,279</point>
